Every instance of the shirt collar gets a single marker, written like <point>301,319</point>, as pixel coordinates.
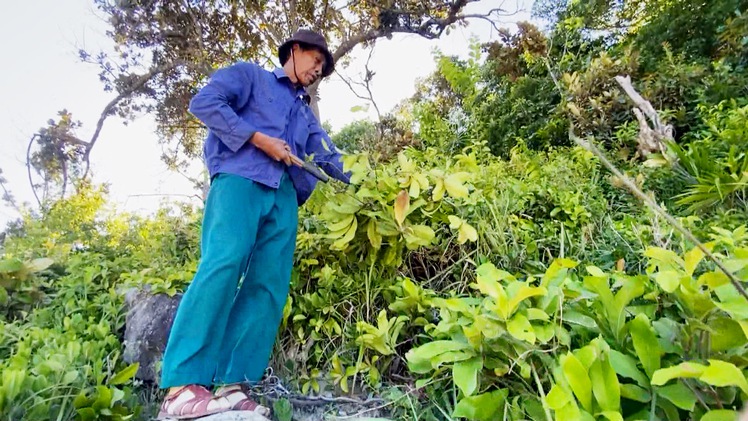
<point>300,90</point>
<point>280,73</point>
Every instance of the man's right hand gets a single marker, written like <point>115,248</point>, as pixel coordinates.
<point>273,147</point>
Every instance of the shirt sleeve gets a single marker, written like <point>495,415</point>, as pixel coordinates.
<point>326,155</point>
<point>228,90</point>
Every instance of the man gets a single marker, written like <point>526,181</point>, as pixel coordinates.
<point>224,330</point>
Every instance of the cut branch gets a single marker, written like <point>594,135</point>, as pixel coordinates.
<point>654,138</point>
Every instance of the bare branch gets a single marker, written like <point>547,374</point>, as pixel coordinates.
<point>430,29</point>
<point>651,139</point>
<point>7,196</point>
<point>109,108</point>
<point>28,169</point>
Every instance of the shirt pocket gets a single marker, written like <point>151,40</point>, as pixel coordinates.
<point>302,128</point>
<point>262,97</point>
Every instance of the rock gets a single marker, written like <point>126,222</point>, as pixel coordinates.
<point>147,327</point>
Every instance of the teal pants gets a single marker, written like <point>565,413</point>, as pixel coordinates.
<point>228,319</point>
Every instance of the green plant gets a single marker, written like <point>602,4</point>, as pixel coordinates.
<point>715,163</point>
<point>602,345</point>
<point>18,291</point>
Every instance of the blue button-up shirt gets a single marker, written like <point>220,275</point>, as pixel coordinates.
<point>244,98</point>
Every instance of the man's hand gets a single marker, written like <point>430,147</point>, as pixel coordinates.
<point>273,147</point>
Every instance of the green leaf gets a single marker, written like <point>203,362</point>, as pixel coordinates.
<point>693,257</point>
<point>465,374</point>
<point>544,332</point>
<point>38,265</point>
<point>537,314</point>
<point>466,233</point>
<point>645,343</point>
<point>13,380</point>
<point>556,273</point>
<point>665,259</point>
<point>557,398</point>
<point>455,185</point>
<point>721,373</point>
<point>596,271</point>
<point>605,385</point>
<point>104,397</point>
<point>339,228</point>
<point>402,203</point>
<point>726,334</point>
<point>518,292</point>
<point>70,377</point>
<point>578,379</point>
<point>735,265</point>
<point>117,395</point>
<point>82,400</point>
<point>283,410</point>
<point>342,242</point>
<point>420,359</point>
<point>580,319</point>
<point>635,393</point>
<point>602,288</point>
<point>519,327</point>
<point>720,415</point>
<point>10,265</point>
<point>625,366</point>
<point>713,279</point>
<point>483,407</point>
<point>680,395</point>
<point>86,414</point>
<point>3,296</point>
<point>682,370</point>
<point>419,235</point>
<point>668,280</point>
<point>125,375</point>
<point>612,415</point>
<point>633,287</point>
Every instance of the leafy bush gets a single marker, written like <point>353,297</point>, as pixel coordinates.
<point>584,344</point>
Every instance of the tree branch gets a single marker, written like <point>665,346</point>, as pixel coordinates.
<point>430,29</point>
<point>109,108</point>
<point>651,139</point>
<point>28,169</point>
<point>7,196</point>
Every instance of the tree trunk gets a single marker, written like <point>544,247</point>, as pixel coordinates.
<point>313,91</point>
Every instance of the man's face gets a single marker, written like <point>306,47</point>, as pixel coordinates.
<point>309,64</point>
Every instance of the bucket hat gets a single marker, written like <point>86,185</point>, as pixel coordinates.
<point>308,38</point>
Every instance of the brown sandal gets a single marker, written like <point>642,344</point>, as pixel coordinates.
<point>192,401</point>
<point>240,401</point>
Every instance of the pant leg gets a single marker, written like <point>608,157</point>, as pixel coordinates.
<point>232,213</point>
<point>258,308</point>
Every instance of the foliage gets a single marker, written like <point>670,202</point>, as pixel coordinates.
<point>477,267</point>
<point>63,274</point>
<point>182,43</point>
<point>588,343</point>
<point>714,164</point>
<point>382,140</point>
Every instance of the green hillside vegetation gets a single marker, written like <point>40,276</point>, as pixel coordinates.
<point>482,265</point>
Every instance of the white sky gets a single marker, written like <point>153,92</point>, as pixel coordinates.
<point>41,74</point>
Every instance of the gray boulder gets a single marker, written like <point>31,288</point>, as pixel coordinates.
<point>147,327</point>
